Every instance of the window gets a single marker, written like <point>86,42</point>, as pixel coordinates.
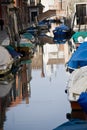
<point>32,1</point>
<point>33,14</point>
<point>81,13</point>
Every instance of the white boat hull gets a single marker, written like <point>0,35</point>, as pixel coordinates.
<point>76,85</point>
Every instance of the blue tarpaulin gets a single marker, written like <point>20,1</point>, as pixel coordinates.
<point>61,34</point>
<point>83,101</point>
<point>79,57</point>
<point>13,52</point>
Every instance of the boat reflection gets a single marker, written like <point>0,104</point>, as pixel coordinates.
<point>14,88</point>
<point>6,84</point>
<point>21,90</point>
<point>48,57</point>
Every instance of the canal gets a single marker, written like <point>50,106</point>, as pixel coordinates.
<point>36,98</point>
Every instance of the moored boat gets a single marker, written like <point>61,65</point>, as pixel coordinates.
<point>25,47</point>
<point>32,30</point>
<point>6,61</point>
<point>77,89</point>
<point>28,36</point>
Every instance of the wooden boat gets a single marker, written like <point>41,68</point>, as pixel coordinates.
<point>6,61</point>
<point>77,88</point>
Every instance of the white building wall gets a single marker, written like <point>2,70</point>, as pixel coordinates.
<point>47,3</point>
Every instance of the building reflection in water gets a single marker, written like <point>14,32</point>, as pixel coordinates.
<point>22,90</point>
<point>48,57</point>
<point>16,89</point>
<point>6,84</point>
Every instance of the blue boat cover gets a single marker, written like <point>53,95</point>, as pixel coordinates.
<point>62,27</point>
<point>73,124</point>
<point>61,34</point>
<point>83,101</point>
<point>13,52</point>
<point>79,57</point>
<point>59,40</point>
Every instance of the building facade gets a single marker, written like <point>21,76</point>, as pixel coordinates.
<point>34,9</point>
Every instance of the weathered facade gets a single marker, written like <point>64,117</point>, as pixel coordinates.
<point>28,9</point>
<point>35,8</point>
<point>78,13</point>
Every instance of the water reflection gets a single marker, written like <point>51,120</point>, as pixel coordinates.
<point>14,88</point>
<point>37,99</point>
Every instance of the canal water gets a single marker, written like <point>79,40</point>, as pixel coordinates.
<point>36,99</point>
